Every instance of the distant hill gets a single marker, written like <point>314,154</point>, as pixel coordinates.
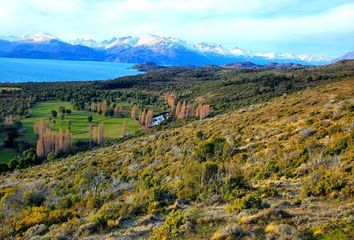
<point>45,47</point>
<point>148,66</point>
<point>273,65</point>
<point>349,55</point>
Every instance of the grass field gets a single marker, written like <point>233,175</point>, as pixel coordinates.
<point>2,137</point>
<point>79,123</point>
<point>6,154</point>
<point>10,89</point>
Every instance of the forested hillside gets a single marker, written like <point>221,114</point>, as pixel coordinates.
<point>280,168</point>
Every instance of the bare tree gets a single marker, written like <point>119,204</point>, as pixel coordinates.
<point>40,148</point>
<point>123,129</point>
<point>148,118</point>
<point>117,111</point>
<point>133,112</point>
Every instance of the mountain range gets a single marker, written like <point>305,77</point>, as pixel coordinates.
<point>148,48</point>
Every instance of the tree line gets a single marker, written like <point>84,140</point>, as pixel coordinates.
<point>185,110</point>
<point>50,141</point>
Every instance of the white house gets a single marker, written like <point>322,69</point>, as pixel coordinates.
<point>158,119</point>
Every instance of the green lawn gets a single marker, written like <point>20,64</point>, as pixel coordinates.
<point>2,137</point>
<point>10,89</point>
<point>6,154</point>
<point>79,124</point>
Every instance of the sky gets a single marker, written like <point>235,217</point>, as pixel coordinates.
<point>317,27</point>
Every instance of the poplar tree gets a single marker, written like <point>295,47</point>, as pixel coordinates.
<point>53,142</point>
<point>67,142</point>
<point>40,127</point>
<point>123,129</point>
<point>202,111</point>
<point>133,112</point>
<point>100,134</point>
<point>117,111</point>
<point>104,107</point>
<point>182,113</point>
<point>170,99</point>
<point>178,109</point>
<point>40,148</point>
<point>142,117</point>
<point>148,118</point>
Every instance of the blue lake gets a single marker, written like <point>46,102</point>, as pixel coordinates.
<point>41,70</point>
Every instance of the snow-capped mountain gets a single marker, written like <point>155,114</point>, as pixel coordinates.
<point>39,38</point>
<point>153,48</point>
<point>306,58</point>
<point>85,42</point>
<point>207,52</point>
<point>239,52</point>
<point>147,48</point>
<point>45,46</point>
<point>124,42</point>
<point>211,48</point>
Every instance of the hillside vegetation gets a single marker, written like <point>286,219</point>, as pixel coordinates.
<point>217,90</point>
<point>282,169</point>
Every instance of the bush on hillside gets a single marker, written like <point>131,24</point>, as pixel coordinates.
<point>323,182</point>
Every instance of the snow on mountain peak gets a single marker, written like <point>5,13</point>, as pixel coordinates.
<point>290,56</point>
<point>239,52</point>
<point>212,48</point>
<point>149,40</point>
<point>39,37</point>
<point>123,41</point>
<point>85,42</point>
<point>312,58</point>
<point>154,42</point>
<point>266,55</point>
<point>166,45</point>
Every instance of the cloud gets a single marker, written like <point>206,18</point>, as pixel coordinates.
<point>253,24</point>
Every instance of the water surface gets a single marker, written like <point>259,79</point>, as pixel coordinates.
<point>42,70</point>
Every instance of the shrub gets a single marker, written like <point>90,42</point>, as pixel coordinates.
<point>109,213</point>
<point>334,231</point>
<point>282,231</point>
<point>247,202</point>
<point>38,215</point>
<point>171,227</point>
<point>210,172</point>
<point>266,171</point>
<point>210,149</point>
<point>3,167</point>
<point>337,147</point>
<point>231,231</point>
<point>156,195</point>
<point>310,121</point>
<point>54,113</point>
<point>33,198</point>
<point>323,182</point>
<point>190,186</point>
<point>233,184</point>
<point>199,135</point>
